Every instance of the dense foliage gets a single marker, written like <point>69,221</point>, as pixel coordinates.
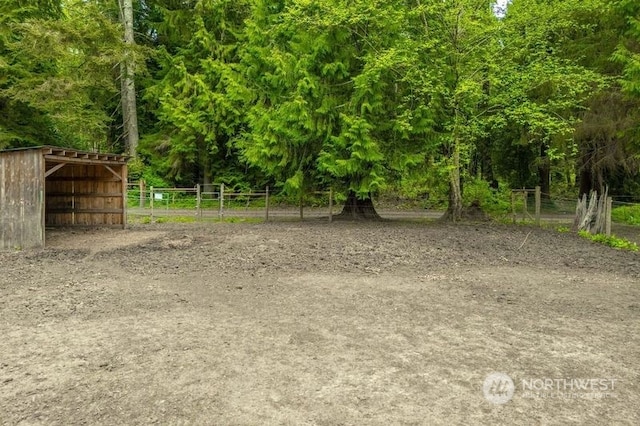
<point>412,97</point>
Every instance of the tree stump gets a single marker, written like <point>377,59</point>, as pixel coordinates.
<point>592,213</point>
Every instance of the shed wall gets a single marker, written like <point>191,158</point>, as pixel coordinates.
<point>86,195</point>
<point>21,199</point>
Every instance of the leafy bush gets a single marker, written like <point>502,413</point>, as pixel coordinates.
<point>495,202</point>
<point>151,179</point>
<point>626,214</point>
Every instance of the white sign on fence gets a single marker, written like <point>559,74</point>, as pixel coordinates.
<point>158,196</point>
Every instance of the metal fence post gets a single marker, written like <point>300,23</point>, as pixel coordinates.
<point>608,216</point>
<point>266,205</point>
<point>538,202</point>
<point>151,197</point>
<point>198,201</point>
<point>221,211</point>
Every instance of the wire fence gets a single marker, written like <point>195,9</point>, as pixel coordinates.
<point>533,205</point>
<point>622,214</point>
<point>216,202</point>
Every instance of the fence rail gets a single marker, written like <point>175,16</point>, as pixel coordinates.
<point>211,202</point>
<point>155,202</point>
<point>615,212</point>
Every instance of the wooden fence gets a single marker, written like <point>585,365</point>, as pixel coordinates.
<point>156,201</point>
<point>592,214</point>
<point>523,194</point>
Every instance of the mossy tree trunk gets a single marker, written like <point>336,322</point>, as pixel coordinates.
<point>356,208</point>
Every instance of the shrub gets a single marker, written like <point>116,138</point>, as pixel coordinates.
<point>495,202</point>
<point>626,214</point>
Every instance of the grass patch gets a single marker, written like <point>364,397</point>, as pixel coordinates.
<point>175,219</point>
<point>612,241</point>
<point>146,219</point>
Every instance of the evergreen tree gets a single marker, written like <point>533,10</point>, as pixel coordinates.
<point>57,85</point>
<point>197,95</point>
<point>335,97</point>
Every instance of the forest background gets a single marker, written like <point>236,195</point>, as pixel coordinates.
<point>462,100</point>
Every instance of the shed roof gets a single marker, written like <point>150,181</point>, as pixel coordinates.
<point>68,155</point>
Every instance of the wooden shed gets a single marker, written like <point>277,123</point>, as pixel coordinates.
<point>48,186</point>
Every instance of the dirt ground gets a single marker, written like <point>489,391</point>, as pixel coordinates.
<point>320,324</point>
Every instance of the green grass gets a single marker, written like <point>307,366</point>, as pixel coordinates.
<point>626,214</point>
<point>612,241</point>
<point>146,219</point>
<point>175,219</point>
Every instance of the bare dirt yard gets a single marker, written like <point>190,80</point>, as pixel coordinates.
<point>319,324</point>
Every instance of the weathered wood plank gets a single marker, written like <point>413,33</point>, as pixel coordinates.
<point>88,194</point>
<point>96,211</point>
<point>21,198</point>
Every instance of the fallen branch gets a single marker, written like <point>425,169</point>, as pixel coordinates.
<point>525,240</point>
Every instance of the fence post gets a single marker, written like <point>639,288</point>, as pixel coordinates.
<point>608,216</point>
<point>513,205</point>
<point>151,197</point>
<point>330,205</point>
<point>301,205</point>
<point>198,201</point>
<point>266,205</point>
<point>538,202</point>
<point>142,192</point>
<point>221,211</point>
<point>525,207</point>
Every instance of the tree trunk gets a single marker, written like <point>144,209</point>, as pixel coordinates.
<point>586,185</point>
<point>358,209</point>
<point>454,210</point>
<point>204,168</point>
<point>127,82</point>
<point>544,173</point>
<point>487,165</point>
<point>585,176</point>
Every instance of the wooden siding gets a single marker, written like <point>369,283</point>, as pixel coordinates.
<point>86,195</point>
<point>21,199</point>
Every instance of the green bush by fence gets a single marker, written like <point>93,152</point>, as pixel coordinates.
<point>629,214</point>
